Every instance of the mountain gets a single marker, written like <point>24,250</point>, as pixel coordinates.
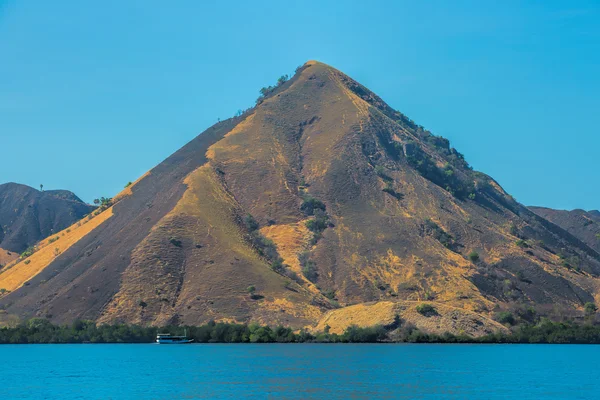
<point>320,206</point>
<point>584,225</point>
<point>28,215</point>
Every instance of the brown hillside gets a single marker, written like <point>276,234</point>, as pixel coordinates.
<point>321,197</point>
<point>28,215</point>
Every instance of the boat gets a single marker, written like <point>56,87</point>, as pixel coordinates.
<point>167,338</point>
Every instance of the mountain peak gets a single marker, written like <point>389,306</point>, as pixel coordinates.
<point>325,201</point>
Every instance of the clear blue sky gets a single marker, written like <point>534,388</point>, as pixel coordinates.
<point>94,94</point>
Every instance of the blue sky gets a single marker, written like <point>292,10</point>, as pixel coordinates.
<point>94,94</point>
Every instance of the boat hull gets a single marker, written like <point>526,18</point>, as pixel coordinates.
<point>159,341</point>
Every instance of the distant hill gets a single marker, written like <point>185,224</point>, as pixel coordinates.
<point>320,205</point>
<point>585,225</point>
<point>28,215</point>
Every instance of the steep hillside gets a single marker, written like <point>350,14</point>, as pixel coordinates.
<point>319,199</point>
<point>28,215</point>
<point>584,225</point>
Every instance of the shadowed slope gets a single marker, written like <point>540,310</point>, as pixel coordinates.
<point>584,225</point>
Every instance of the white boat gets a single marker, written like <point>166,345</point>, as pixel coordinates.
<point>167,338</point>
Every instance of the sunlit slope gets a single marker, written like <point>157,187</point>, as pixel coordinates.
<point>369,215</point>
<point>16,275</point>
<point>444,318</point>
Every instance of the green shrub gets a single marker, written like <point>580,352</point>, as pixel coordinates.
<point>473,256</point>
<point>293,275</point>
<point>310,271</point>
<point>310,205</point>
<point>320,222</point>
<point>103,203</point>
<point>521,276</point>
<point>265,91</point>
<point>389,189</point>
<point>282,79</point>
<point>309,268</point>
<point>590,309</point>
<point>428,295</point>
<point>28,252</point>
<point>175,241</point>
<point>250,223</point>
<point>354,334</point>
<point>426,309</point>
<point>316,225</point>
<point>505,317</point>
<point>570,262</point>
<point>438,233</point>
<point>252,292</point>
<point>265,247</point>
<point>277,265</point>
<point>521,243</point>
<point>445,177</point>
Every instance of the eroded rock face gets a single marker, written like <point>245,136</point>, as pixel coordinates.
<point>321,197</point>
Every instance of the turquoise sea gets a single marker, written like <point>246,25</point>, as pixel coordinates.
<point>299,371</point>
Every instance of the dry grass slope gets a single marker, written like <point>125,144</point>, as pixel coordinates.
<point>14,276</point>
<point>445,319</point>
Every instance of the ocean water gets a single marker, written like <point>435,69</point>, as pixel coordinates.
<point>299,371</point>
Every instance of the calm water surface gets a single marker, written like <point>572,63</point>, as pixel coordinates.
<point>299,371</point>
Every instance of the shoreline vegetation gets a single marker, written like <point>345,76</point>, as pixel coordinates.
<point>41,331</point>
